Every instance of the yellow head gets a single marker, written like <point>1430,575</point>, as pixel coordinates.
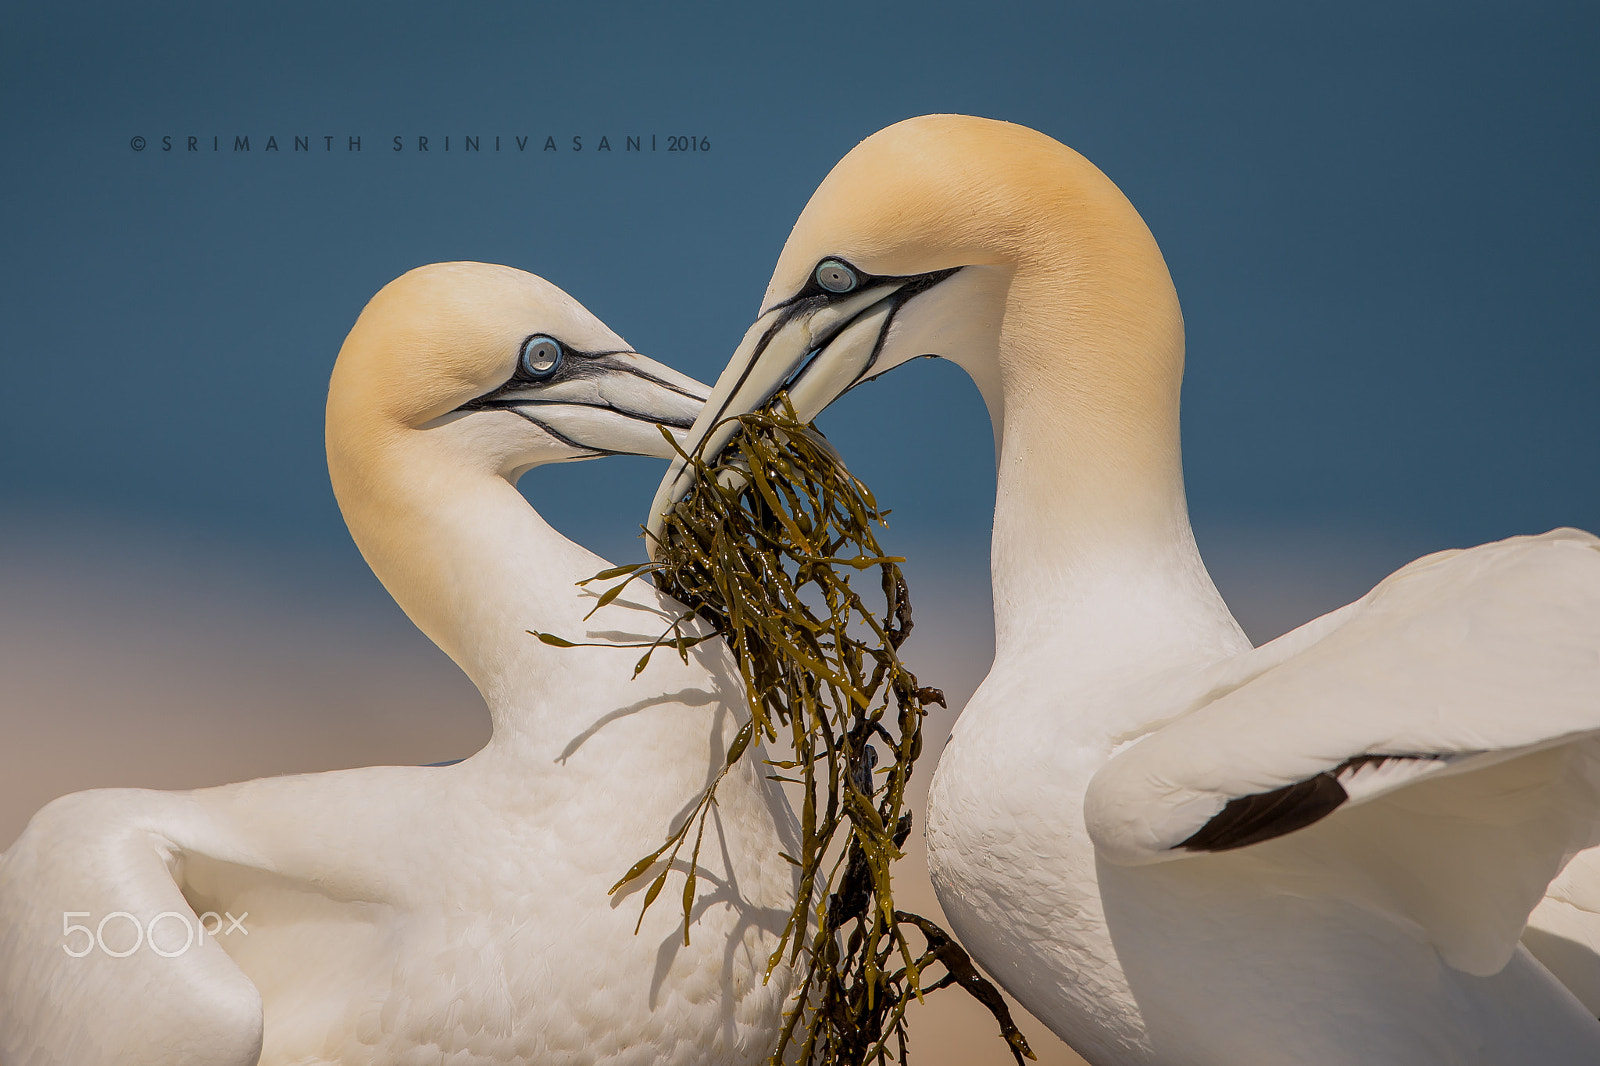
<point>501,368</point>
<point>982,242</point>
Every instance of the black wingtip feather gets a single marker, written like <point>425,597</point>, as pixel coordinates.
<point>1264,815</point>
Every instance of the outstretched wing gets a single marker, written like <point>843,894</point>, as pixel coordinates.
<point>1451,716</point>
<point>93,876</point>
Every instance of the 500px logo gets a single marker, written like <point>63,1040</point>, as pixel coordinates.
<point>145,935</point>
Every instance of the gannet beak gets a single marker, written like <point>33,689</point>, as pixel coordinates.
<point>816,348</point>
<point>610,404</point>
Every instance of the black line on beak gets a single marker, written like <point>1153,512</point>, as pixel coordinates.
<point>919,284</point>
<point>804,303</point>
<point>562,437</point>
<point>519,406</point>
<point>628,368</point>
<point>790,311</point>
<point>580,365</point>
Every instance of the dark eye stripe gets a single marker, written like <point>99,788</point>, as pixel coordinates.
<point>573,363</point>
<point>841,272</point>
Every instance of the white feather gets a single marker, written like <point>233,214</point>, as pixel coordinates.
<point>452,914</point>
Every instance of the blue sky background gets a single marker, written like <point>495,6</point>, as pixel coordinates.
<point>1381,219</point>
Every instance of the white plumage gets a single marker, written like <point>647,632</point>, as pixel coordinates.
<point>1171,847</point>
<point>455,914</point>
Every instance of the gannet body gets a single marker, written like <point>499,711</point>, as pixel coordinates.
<point>459,913</point>
<point>1171,847</point>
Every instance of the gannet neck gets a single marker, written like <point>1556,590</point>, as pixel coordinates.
<point>475,567</point>
<point>1062,310</point>
<point>432,416</point>
<point>1093,556</point>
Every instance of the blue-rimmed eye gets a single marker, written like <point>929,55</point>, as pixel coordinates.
<point>541,356</point>
<point>836,276</point>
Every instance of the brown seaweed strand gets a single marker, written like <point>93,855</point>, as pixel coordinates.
<point>776,515</point>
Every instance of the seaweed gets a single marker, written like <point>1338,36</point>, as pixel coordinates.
<point>764,547</point>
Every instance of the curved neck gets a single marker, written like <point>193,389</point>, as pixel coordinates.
<point>475,567</point>
<point>1093,560</point>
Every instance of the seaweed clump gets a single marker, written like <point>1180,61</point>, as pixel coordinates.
<point>764,548</point>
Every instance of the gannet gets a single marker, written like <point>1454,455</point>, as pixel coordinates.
<point>454,914</point>
<point>1170,846</point>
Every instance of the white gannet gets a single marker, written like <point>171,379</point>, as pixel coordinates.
<point>454,914</point>
<point>1169,846</point>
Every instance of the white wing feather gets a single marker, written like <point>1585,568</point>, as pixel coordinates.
<point>1564,929</point>
<point>1482,665</point>
<point>103,852</point>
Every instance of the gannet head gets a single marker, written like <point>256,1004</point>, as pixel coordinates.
<point>922,241</point>
<point>502,369</point>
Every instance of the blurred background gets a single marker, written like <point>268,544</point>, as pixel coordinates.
<point>1381,219</point>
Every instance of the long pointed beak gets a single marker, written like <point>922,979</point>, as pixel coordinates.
<point>816,349</point>
<point>614,406</point>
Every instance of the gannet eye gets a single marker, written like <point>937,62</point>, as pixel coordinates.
<point>836,276</point>
<point>541,356</point>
